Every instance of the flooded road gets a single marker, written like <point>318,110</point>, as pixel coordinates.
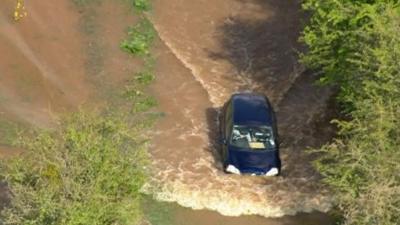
<point>216,50</point>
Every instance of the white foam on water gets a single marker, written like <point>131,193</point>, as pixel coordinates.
<point>233,195</point>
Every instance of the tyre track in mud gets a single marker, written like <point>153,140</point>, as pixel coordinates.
<point>234,45</point>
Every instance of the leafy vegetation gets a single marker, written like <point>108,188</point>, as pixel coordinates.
<point>357,46</point>
<point>135,93</point>
<point>142,5</point>
<point>140,37</point>
<point>139,40</point>
<point>88,171</point>
<point>144,77</point>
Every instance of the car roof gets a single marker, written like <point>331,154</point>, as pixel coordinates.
<point>251,109</point>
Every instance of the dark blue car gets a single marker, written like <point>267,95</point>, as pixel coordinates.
<point>249,136</point>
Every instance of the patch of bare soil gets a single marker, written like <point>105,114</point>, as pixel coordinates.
<point>41,64</point>
<point>60,56</point>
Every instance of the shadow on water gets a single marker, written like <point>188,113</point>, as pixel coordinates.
<point>263,48</point>
<point>215,148</point>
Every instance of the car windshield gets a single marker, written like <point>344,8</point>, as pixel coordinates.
<point>252,137</point>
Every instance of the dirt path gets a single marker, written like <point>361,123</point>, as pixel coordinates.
<point>225,47</point>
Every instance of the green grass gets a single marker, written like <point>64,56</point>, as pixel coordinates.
<point>9,131</point>
<point>144,104</point>
<point>140,38</point>
<point>141,5</point>
<point>145,77</point>
<point>158,213</point>
<point>135,94</point>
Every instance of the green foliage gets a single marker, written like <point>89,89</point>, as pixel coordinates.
<point>141,102</point>
<point>357,46</point>
<point>89,171</point>
<point>337,35</point>
<point>9,131</point>
<point>139,40</point>
<point>142,5</point>
<point>145,104</point>
<point>144,77</point>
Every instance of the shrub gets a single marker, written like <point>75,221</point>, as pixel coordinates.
<point>357,46</point>
<point>89,171</point>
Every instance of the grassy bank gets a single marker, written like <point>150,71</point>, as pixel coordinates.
<point>356,44</point>
<point>89,169</point>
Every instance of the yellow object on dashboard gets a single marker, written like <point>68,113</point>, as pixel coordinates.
<point>257,145</point>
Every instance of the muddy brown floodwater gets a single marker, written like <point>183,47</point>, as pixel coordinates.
<point>212,50</point>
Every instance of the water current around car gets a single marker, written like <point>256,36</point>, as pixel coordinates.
<point>207,52</point>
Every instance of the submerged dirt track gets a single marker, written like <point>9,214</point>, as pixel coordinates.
<point>228,46</point>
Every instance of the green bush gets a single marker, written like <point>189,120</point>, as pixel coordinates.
<point>89,171</point>
<point>357,46</point>
<point>337,35</point>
